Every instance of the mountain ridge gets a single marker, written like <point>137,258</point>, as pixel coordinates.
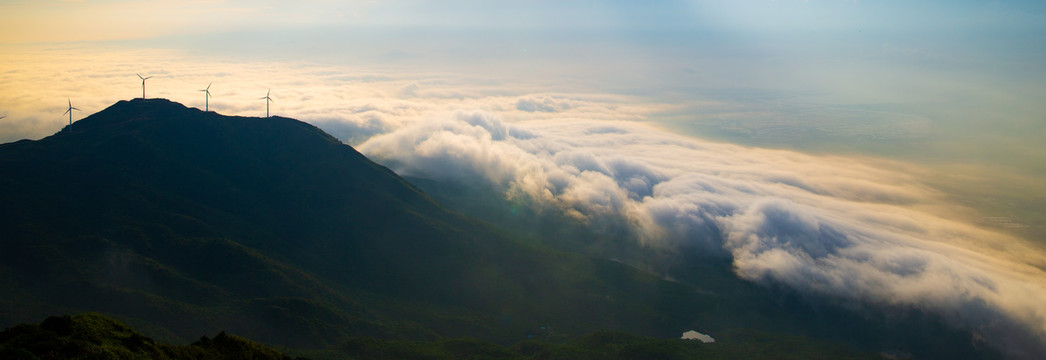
<point>149,207</point>
<point>185,222</point>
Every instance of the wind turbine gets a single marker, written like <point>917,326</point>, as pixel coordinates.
<point>206,96</point>
<point>267,100</point>
<point>143,83</point>
<point>70,112</point>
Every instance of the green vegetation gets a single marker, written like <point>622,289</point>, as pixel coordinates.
<point>93,336</point>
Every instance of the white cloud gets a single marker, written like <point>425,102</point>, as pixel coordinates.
<point>829,225</point>
<point>694,335</point>
<point>543,104</point>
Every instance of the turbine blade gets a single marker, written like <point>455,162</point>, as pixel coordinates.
<point>209,86</point>
<point>139,76</point>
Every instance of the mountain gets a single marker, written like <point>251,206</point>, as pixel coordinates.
<point>181,222</point>
<point>188,221</point>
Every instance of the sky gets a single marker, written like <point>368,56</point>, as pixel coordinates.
<point>887,152</point>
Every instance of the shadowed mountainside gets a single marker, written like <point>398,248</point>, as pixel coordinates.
<point>94,336</point>
<point>182,222</point>
<point>188,221</point>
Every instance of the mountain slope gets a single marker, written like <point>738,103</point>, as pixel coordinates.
<point>188,221</point>
<point>93,336</point>
<point>181,222</point>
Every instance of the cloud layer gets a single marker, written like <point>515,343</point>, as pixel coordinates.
<point>849,228</point>
<point>826,225</point>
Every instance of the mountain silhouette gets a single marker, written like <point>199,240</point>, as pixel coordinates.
<point>181,222</point>
<point>190,221</point>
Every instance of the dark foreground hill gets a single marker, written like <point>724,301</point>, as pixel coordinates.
<point>94,336</point>
<point>182,222</point>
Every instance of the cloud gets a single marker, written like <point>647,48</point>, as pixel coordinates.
<point>544,104</point>
<point>359,103</point>
<point>832,226</point>
<point>694,335</point>
<point>351,102</point>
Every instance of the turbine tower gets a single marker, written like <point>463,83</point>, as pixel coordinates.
<point>267,100</point>
<point>70,112</point>
<point>206,96</point>
<point>143,83</point>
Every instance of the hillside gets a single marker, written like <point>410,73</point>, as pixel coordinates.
<point>94,336</point>
<point>181,222</point>
<point>187,221</point>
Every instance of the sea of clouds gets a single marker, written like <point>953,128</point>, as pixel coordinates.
<point>834,226</point>
<point>853,229</point>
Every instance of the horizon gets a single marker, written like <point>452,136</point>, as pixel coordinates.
<point>913,129</point>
